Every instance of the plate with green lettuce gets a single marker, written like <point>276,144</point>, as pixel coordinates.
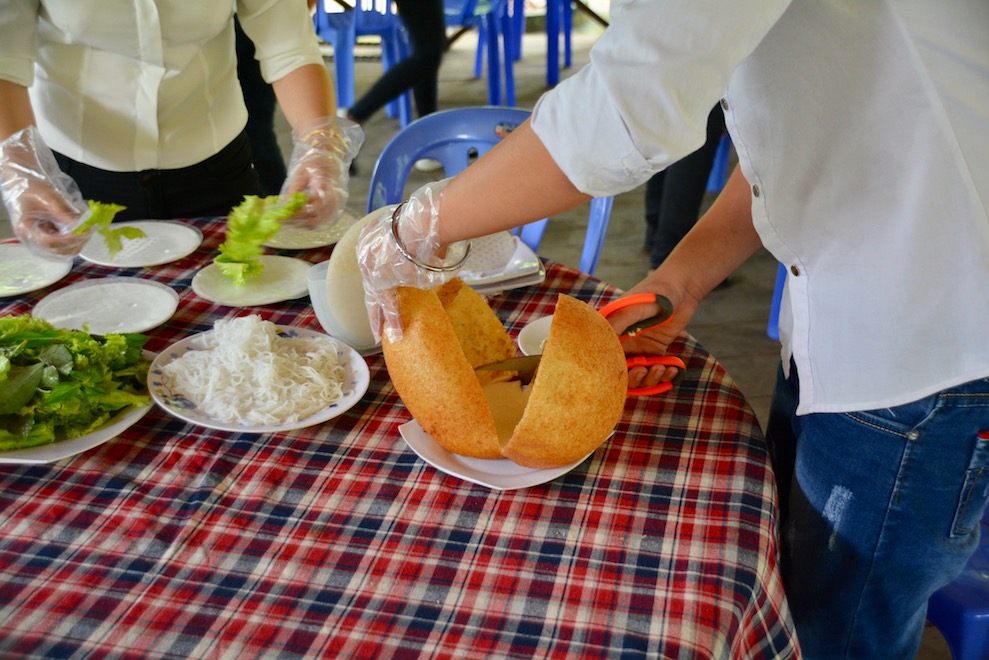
<point>150,243</point>
<point>242,275</point>
<point>63,392</point>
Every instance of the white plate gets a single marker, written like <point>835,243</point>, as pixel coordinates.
<point>519,264</point>
<point>490,289</point>
<point>109,304</point>
<point>498,474</point>
<point>291,238</point>
<point>532,336</point>
<point>282,278</point>
<point>66,448</point>
<point>164,241</point>
<point>21,272</point>
<point>356,382</point>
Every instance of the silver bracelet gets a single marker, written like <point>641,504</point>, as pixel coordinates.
<point>420,264</point>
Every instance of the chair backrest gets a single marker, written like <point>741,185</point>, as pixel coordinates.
<point>456,138</point>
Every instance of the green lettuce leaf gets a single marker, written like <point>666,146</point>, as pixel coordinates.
<point>58,383</point>
<point>249,225</point>
<point>100,217</point>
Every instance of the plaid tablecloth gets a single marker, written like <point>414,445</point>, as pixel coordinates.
<point>176,541</point>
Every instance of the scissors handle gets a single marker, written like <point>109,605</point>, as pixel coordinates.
<point>648,361</point>
<point>663,317</point>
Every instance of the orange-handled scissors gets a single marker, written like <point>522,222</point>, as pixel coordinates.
<point>662,318</point>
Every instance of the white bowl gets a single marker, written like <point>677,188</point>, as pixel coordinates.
<point>345,294</point>
<point>533,335</point>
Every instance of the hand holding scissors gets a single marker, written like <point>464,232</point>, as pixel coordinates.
<point>662,318</point>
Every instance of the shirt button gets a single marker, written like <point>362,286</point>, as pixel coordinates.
<point>724,104</point>
<point>795,269</point>
<point>756,191</point>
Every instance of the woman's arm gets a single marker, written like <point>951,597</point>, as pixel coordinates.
<point>515,183</point>
<point>15,109</point>
<point>306,96</point>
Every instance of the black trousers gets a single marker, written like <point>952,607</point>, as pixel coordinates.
<point>209,188</point>
<point>426,24</point>
<point>674,196</point>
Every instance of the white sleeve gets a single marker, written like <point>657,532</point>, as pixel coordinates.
<point>643,100</point>
<point>18,40</point>
<point>283,34</point>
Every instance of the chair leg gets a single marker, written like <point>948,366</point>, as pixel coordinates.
<point>494,60</point>
<point>507,38</point>
<point>772,328</point>
<point>567,33</point>
<point>343,61</point>
<point>552,42</point>
<point>518,23</point>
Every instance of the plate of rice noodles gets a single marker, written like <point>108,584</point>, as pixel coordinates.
<point>249,375</point>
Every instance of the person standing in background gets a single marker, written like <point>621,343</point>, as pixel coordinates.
<point>860,131</point>
<point>673,197</point>
<point>140,105</point>
<point>425,23</point>
<point>261,102</point>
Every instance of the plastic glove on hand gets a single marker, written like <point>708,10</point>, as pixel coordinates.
<point>401,247</point>
<point>44,204</point>
<point>320,167</point>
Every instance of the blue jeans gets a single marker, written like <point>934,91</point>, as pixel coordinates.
<point>880,510</point>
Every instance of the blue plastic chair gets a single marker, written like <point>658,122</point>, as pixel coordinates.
<point>456,138</point>
<point>960,610</point>
<point>559,23</point>
<point>720,168</point>
<point>773,327</point>
<point>494,39</point>
<point>342,29</point>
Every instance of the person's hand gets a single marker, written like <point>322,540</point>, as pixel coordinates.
<point>320,167</point>
<point>411,258</point>
<point>44,204</point>
<point>654,341</point>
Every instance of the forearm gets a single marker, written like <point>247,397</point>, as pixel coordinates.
<point>15,109</point>
<point>717,245</point>
<point>515,183</point>
<point>306,95</point>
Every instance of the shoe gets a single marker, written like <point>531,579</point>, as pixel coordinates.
<point>428,165</point>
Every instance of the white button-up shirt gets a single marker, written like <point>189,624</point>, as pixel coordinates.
<point>131,85</point>
<point>861,126</point>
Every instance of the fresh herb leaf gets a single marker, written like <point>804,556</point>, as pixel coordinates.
<point>249,225</point>
<point>57,383</point>
<point>100,217</point>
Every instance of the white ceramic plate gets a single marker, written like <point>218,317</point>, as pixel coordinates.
<point>21,272</point>
<point>519,265</point>
<point>490,289</point>
<point>291,238</point>
<point>282,278</point>
<point>356,382</point>
<point>532,336</point>
<point>66,448</point>
<point>164,241</point>
<point>497,474</point>
<point>109,304</point>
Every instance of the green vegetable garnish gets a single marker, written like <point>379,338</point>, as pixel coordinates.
<point>249,225</point>
<point>57,383</point>
<point>100,217</point>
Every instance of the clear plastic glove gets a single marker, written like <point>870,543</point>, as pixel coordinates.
<point>320,167</point>
<point>44,204</point>
<point>386,264</point>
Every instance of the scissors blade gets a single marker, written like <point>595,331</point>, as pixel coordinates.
<point>525,365</point>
